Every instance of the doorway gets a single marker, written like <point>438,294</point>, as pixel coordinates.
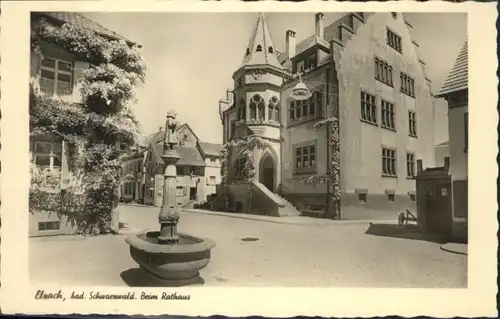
<point>192,193</point>
<point>267,171</point>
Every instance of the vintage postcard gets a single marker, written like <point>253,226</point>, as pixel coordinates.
<point>277,159</point>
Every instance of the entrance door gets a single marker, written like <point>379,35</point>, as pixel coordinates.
<point>192,193</point>
<point>267,172</point>
<point>439,218</point>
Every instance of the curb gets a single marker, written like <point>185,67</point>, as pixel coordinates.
<point>445,247</point>
<point>282,220</point>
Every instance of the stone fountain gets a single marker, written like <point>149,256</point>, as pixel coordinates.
<point>171,258</point>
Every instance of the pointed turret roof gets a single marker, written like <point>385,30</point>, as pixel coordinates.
<point>260,49</point>
<point>458,77</point>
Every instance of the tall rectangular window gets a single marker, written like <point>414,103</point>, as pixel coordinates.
<point>56,77</point>
<point>368,108</point>
<point>412,123</point>
<point>383,72</point>
<point>388,115</point>
<point>48,154</point>
<point>305,158</point>
<point>394,41</point>
<point>466,131</point>
<point>306,109</point>
<point>407,84</point>
<point>410,165</point>
<point>389,162</point>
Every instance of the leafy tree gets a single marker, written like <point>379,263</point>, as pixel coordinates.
<point>97,132</point>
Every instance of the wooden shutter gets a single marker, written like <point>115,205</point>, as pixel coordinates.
<point>79,68</point>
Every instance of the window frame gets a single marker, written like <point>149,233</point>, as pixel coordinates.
<point>302,153</point>
<point>372,108</point>
<point>407,84</point>
<point>49,155</point>
<point>412,124</point>
<point>383,72</point>
<point>410,165</point>
<point>387,109</point>
<point>391,169</point>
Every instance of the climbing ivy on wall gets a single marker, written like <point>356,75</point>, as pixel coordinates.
<point>333,177</point>
<point>98,131</point>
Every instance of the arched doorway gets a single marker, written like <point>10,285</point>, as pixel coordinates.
<point>267,172</point>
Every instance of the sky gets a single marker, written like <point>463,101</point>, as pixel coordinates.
<point>190,58</point>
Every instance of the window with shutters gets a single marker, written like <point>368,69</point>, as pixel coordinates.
<point>56,76</point>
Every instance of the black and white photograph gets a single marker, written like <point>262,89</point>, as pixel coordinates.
<point>175,152</point>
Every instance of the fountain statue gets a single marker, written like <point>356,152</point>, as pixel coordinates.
<point>171,258</point>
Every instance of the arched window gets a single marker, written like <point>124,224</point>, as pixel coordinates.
<point>259,48</point>
<point>274,109</point>
<point>248,51</point>
<point>257,108</point>
<point>271,50</point>
<point>242,112</point>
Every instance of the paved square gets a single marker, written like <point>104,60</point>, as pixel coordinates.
<point>330,255</point>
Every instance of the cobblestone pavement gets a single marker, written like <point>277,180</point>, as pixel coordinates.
<point>338,255</point>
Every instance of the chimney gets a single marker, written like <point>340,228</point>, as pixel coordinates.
<point>319,24</point>
<point>290,43</point>
<point>160,129</point>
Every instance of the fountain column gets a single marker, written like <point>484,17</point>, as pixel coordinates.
<point>169,212</point>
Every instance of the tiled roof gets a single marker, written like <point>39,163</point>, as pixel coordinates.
<point>190,156</point>
<point>84,22</point>
<point>261,38</point>
<point>458,78</point>
<point>211,149</point>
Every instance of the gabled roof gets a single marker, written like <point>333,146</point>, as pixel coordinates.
<point>458,78</point>
<point>260,49</point>
<point>84,22</point>
<point>190,156</point>
<point>210,149</point>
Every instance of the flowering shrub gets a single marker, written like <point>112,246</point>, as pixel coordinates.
<point>333,177</point>
<point>249,144</point>
<point>91,130</point>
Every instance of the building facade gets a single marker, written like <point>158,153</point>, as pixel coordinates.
<point>363,69</point>
<point>56,75</point>
<point>198,170</point>
<point>441,151</point>
<point>455,91</point>
<point>132,177</point>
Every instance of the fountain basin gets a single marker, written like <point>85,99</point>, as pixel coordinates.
<point>174,264</point>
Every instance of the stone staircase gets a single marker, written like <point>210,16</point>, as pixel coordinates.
<point>287,208</point>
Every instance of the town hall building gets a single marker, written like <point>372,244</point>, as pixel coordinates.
<point>363,69</point>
